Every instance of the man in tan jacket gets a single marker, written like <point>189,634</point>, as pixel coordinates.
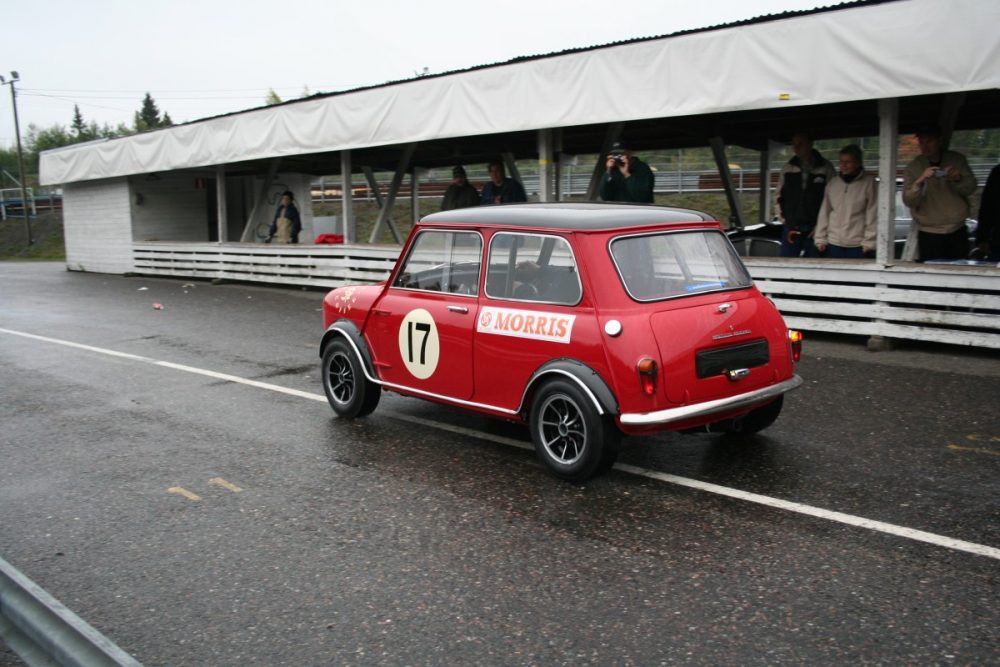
<point>936,186</point>
<point>847,222</point>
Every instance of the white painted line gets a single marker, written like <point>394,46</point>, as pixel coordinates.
<point>808,510</point>
<point>238,380</point>
<point>737,494</point>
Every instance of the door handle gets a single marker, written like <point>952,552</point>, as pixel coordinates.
<point>458,309</point>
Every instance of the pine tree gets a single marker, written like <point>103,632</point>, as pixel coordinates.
<point>272,97</point>
<point>79,126</point>
<point>148,117</point>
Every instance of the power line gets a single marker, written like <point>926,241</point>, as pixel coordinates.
<point>158,97</point>
<point>141,92</point>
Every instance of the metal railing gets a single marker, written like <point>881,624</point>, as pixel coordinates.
<point>574,181</point>
<point>42,631</point>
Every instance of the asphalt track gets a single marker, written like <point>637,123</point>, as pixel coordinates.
<point>174,477</point>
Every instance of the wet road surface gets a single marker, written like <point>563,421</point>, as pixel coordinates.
<point>195,520</point>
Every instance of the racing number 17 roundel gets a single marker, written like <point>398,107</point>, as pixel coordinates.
<point>419,344</point>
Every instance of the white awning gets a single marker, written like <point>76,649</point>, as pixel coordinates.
<point>861,52</point>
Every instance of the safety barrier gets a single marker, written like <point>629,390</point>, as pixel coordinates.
<point>952,304</point>
<point>956,304</point>
<point>44,632</point>
<point>301,265</point>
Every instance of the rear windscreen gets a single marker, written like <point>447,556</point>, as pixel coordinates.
<point>676,264</point>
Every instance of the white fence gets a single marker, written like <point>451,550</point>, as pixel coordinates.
<point>302,265</point>
<point>939,303</point>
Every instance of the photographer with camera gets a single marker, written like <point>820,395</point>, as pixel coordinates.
<point>628,178</point>
<point>937,185</point>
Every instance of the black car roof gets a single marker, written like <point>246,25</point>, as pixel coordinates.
<point>566,215</point>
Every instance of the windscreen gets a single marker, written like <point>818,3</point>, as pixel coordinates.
<point>676,264</point>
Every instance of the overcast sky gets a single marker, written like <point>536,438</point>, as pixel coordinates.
<point>201,58</point>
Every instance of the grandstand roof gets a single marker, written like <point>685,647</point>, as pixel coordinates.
<point>749,82</point>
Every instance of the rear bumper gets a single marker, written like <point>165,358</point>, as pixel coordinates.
<point>708,408</point>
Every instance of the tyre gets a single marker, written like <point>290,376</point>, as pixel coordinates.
<point>573,440</point>
<point>757,420</point>
<point>350,393</point>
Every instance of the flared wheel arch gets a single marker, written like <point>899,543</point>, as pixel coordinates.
<point>588,380</point>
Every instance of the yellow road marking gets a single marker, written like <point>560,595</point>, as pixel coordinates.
<point>181,491</point>
<point>978,450</point>
<point>218,481</point>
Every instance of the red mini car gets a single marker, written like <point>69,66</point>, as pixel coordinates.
<point>584,321</point>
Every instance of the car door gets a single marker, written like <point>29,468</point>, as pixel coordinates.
<point>424,324</point>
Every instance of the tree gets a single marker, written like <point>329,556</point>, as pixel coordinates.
<point>78,125</point>
<point>272,97</point>
<point>38,139</point>
<point>148,116</point>
<point>82,131</point>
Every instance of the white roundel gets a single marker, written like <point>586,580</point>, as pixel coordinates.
<point>419,344</point>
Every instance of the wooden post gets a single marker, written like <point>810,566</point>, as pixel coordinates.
<point>888,140</point>
<point>545,165</point>
<point>764,199</point>
<point>272,171</point>
<point>735,205</point>
<point>347,198</point>
<point>220,200</point>
<point>385,215</point>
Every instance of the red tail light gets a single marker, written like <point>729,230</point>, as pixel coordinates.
<point>795,338</point>
<point>647,375</point>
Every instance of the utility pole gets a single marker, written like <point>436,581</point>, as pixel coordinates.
<point>20,153</point>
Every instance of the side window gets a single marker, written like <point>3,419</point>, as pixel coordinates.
<point>532,267</point>
<point>443,262</point>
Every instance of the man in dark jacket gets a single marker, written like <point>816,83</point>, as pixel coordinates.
<point>461,193</point>
<point>801,187</point>
<point>988,231</point>
<point>627,178</point>
<point>500,189</point>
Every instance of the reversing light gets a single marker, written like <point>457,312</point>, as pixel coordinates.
<point>647,375</point>
<point>795,338</point>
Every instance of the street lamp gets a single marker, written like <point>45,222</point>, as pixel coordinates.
<point>20,154</point>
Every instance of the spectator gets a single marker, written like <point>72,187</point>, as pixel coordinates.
<point>286,225</point>
<point>800,194</point>
<point>628,178</point>
<point>461,193</point>
<point>847,222</point>
<point>936,186</point>
<point>500,189</point>
<point>988,231</point>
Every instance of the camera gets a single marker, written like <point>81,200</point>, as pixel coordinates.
<point>619,158</point>
<point>940,173</point>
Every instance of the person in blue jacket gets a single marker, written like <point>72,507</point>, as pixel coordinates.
<point>500,189</point>
<point>287,224</point>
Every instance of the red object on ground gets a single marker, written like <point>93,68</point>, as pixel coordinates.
<point>329,238</point>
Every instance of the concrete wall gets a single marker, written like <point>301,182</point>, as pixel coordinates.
<point>97,226</point>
